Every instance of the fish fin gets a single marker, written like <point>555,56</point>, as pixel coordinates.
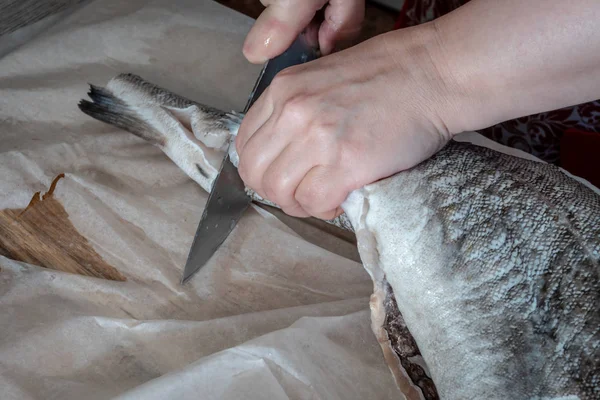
<point>110,109</point>
<point>233,119</point>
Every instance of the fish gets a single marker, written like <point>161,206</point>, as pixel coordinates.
<point>485,265</point>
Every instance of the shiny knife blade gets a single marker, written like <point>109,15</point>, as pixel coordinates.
<point>228,199</point>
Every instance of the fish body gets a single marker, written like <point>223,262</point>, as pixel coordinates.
<point>494,266</point>
<point>485,266</point>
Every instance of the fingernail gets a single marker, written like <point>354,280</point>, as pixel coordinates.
<point>250,50</point>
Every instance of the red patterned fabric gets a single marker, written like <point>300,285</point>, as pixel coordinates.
<point>538,134</point>
<point>579,152</point>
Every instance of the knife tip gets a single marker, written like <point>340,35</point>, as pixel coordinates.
<point>184,279</point>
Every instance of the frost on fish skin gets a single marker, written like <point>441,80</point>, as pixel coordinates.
<point>494,264</point>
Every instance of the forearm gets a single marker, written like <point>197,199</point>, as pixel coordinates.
<point>513,58</point>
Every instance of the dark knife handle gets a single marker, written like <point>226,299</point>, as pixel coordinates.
<point>299,52</point>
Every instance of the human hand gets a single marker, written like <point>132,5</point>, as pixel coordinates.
<point>325,128</point>
<point>283,20</point>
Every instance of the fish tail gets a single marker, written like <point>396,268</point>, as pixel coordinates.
<point>108,108</point>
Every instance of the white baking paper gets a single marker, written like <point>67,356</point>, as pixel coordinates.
<point>272,316</point>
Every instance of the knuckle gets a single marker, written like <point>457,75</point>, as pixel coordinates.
<point>275,186</point>
<point>281,82</point>
<point>311,197</point>
<point>296,109</point>
<point>285,74</point>
<point>323,132</point>
<point>324,139</point>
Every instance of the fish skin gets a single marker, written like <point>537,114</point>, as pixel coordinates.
<point>494,264</point>
<point>482,253</point>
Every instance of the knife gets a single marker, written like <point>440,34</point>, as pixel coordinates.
<point>228,199</point>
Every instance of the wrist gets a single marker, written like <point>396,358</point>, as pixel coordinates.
<point>463,91</point>
<point>474,99</point>
<point>500,64</point>
<point>441,93</point>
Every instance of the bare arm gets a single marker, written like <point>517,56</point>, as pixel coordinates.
<point>513,58</point>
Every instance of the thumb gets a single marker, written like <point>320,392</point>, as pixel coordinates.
<point>343,22</point>
<point>277,27</point>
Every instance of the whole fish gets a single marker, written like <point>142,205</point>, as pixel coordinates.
<point>485,265</point>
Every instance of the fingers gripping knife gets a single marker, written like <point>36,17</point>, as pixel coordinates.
<point>228,198</point>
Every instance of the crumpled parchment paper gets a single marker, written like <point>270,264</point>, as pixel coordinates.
<point>273,315</point>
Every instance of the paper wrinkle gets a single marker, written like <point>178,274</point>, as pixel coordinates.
<point>272,315</point>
